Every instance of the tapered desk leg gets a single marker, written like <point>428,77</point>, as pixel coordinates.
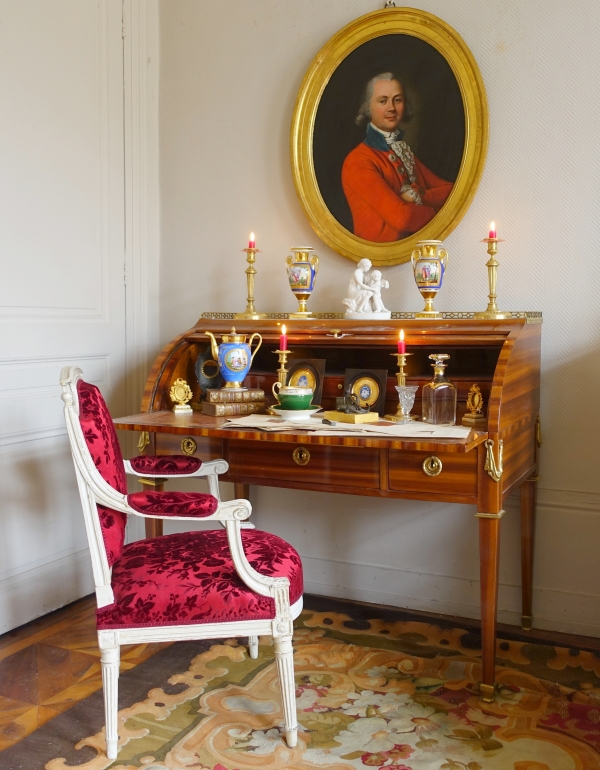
<point>241,491</point>
<point>528,491</point>
<point>154,527</point>
<point>489,557</point>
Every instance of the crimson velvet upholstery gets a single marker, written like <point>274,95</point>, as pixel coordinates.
<point>172,465</point>
<point>102,442</point>
<point>101,439</point>
<point>189,577</point>
<point>173,503</point>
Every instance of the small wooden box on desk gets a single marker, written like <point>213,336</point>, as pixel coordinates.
<point>502,357</point>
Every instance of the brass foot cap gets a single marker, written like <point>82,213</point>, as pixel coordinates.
<point>487,692</point>
<point>526,622</point>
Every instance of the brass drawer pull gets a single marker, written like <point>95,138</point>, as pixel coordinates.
<point>301,455</point>
<point>188,446</point>
<point>432,465</point>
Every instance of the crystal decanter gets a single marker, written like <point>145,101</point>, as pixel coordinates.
<point>439,395</point>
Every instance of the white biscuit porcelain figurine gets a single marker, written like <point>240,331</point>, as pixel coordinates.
<point>364,294</point>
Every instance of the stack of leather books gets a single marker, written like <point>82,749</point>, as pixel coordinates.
<point>229,402</point>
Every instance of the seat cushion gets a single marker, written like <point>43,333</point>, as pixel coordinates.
<point>165,465</point>
<point>101,439</point>
<point>189,577</point>
<point>193,504</point>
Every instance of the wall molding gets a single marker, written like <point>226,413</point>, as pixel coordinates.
<point>142,210</point>
<point>27,594</point>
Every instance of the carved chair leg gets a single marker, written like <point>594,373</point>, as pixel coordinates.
<point>109,659</point>
<point>284,655</point>
<point>253,647</point>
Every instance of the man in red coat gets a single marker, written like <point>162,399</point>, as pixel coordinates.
<point>390,192</point>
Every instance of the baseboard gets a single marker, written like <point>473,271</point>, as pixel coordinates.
<point>28,595</point>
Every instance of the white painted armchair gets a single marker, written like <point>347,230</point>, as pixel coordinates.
<point>193,585</point>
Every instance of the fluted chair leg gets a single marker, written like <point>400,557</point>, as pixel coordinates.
<point>253,647</point>
<point>109,659</point>
<point>284,655</point>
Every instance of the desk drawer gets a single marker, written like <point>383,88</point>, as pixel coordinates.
<point>197,446</point>
<point>314,464</point>
<point>458,475</point>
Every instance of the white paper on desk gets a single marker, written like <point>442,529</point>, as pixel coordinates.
<point>315,425</point>
<point>269,423</point>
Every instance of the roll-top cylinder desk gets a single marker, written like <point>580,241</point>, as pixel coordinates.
<point>502,357</point>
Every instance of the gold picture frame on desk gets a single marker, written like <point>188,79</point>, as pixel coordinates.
<point>368,196</point>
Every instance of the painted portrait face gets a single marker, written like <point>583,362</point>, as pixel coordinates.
<point>387,105</point>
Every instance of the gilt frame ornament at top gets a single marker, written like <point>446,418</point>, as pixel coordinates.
<point>439,145</point>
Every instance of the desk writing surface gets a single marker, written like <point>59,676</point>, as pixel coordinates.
<point>197,424</point>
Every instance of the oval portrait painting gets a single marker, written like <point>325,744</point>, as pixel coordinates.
<point>389,135</point>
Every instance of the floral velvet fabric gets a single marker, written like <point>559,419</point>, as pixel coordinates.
<point>189,578</point>
<point>165,465</point>
<point>101,439</point>
<point>173,503</point>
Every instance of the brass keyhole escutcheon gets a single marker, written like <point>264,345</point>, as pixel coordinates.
<point>301,455</point>
<point>432,465</point>
<point>188,446</point>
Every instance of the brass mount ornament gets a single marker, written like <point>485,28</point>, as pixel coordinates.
<point>475,417</point>
<point>493,469</point>
<point>181,393</point>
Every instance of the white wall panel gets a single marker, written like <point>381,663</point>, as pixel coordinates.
<point>228,86</point>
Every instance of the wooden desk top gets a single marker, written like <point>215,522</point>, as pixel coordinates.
<point>197,424</point>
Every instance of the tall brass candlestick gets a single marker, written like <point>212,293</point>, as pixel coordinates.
<point>250,314</point>
<point>407,398</point>
<point>492,266</point>
<point>282,371</point>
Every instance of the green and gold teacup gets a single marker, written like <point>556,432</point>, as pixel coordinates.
<point>292,397</point>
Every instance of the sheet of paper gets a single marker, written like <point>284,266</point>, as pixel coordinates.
<point>316,425</point>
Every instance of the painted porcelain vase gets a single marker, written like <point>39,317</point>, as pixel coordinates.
<point>302,269</point>
<point>429,262</point>
<point>234,356</point>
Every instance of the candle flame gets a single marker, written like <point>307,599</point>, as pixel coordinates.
<point>492,226</point>
<point>402,334</point>
<point>283,330</point>
<point>252,235</point>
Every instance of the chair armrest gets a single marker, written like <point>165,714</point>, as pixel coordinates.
<point>173,466</point>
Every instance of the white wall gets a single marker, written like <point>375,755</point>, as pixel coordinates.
<point>229,78</point>
<point>73,153</point>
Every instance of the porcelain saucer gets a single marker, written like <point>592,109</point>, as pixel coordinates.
<point>295,414</point>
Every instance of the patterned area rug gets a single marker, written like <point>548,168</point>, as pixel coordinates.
<point>391,694</point>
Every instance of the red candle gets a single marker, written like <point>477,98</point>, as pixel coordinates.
<point>492,233</point>
<point>251,242</point>
<point>283,338</point>
<point>401,343</point>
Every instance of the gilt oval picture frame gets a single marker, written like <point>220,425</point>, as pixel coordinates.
<point>389,135</point>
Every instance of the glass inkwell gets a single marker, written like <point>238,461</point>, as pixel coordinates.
<point>439,395</point>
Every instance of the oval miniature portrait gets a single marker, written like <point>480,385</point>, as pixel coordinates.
<point>389,135</point>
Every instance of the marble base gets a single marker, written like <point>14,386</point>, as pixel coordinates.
<point>353,316</point>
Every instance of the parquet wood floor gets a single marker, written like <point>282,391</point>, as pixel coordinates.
<point>50,664</point>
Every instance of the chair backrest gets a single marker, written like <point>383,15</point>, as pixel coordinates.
<point>101,440</point>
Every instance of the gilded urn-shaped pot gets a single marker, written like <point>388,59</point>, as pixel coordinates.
<point>302,268</point>
<point>234,356</point>
<point>429,261</point>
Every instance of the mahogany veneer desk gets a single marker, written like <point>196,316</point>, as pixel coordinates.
<point>502,357</point>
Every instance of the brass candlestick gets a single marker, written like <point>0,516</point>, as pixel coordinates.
<point>406,393</point>
<point>492,266</point>
<point>250,314</point>
<point>281,375</point>
<point>282,371</point>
